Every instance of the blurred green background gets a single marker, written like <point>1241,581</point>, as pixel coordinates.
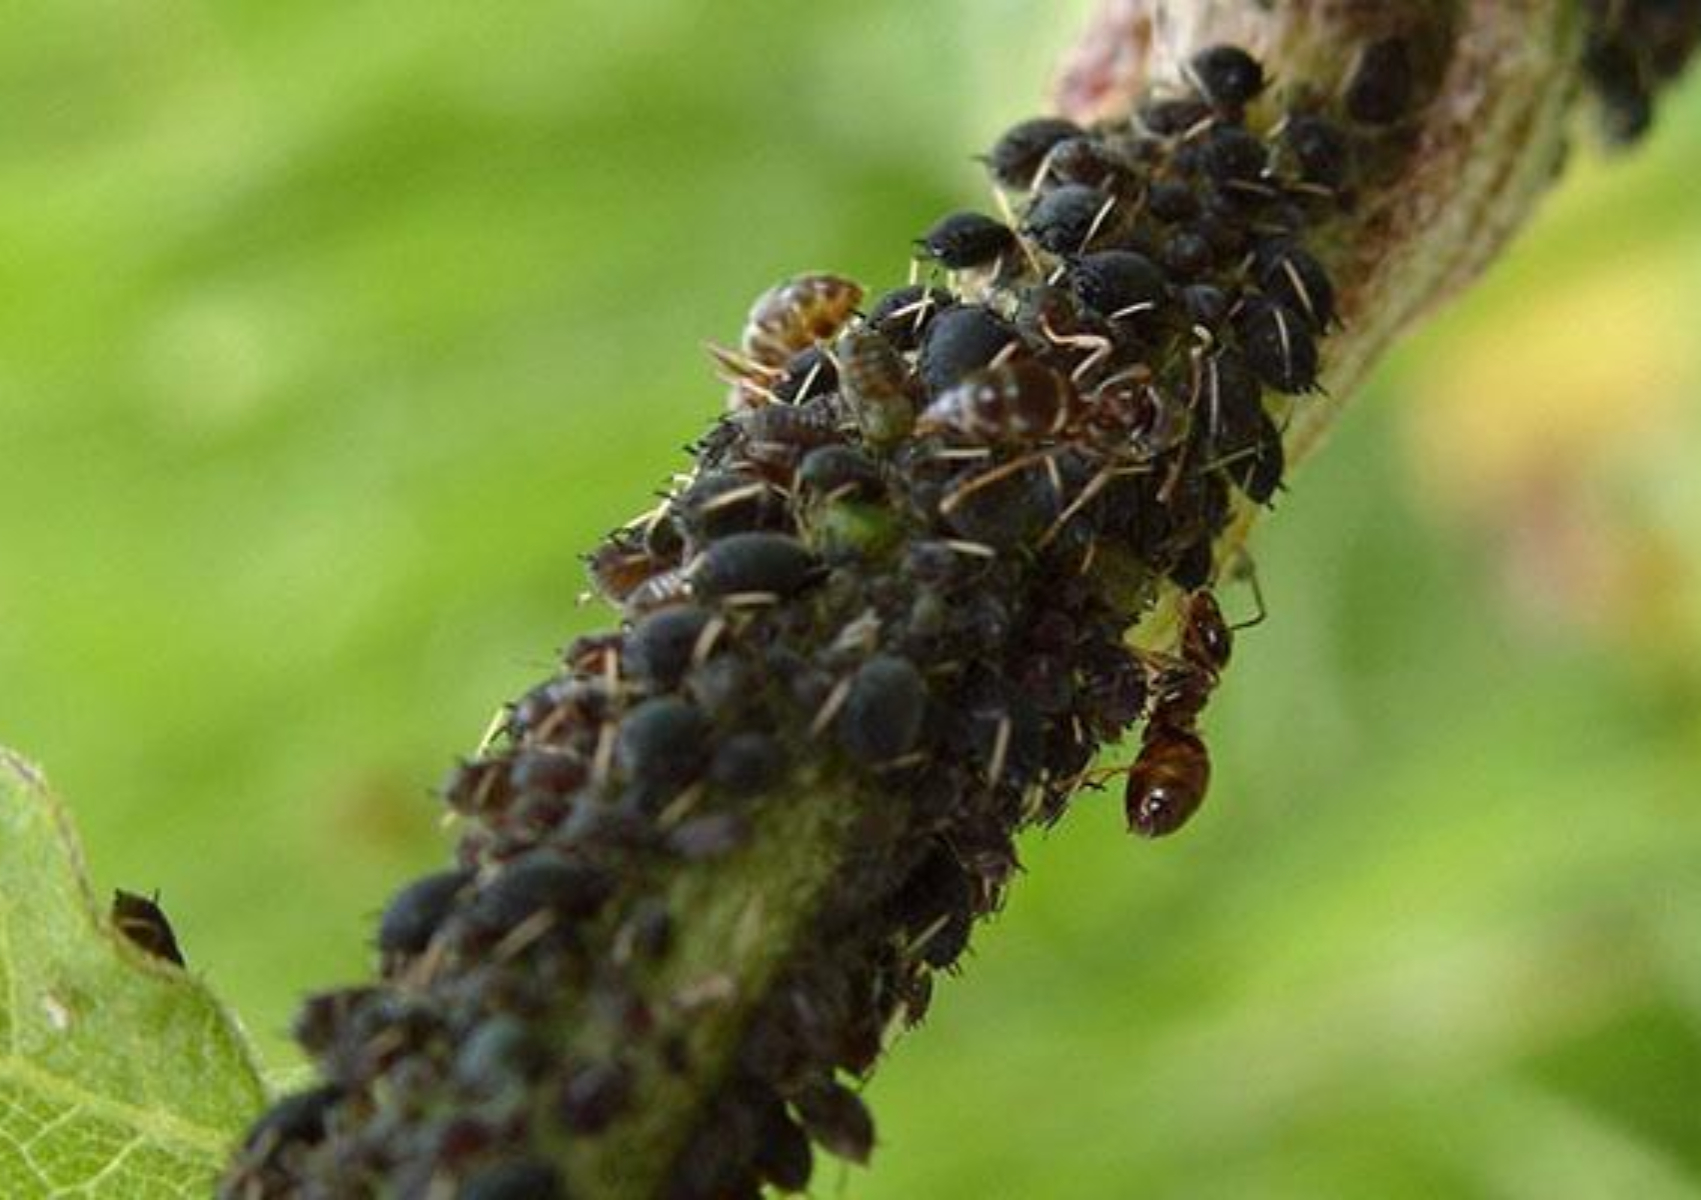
<point>330,333</point>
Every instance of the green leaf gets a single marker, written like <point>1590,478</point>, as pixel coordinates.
<point>120,1075</point>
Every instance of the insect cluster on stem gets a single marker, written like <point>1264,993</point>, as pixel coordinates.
<point>908,557</point>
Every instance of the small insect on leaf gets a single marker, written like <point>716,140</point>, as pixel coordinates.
<point>143,923</point>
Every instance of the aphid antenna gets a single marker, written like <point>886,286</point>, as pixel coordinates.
<point>1057,274</point>
<point>492,730</point>
<point>961,453</point>
<point>987,478</point>
<point>750,599</point>
<point>1009,215</point>
<point>971,549</point>
<point>1005,353</point>
<point>602,760</point>
<point>1084,497</point>
<point>1133,310</point>
<point>830,708</point>
<point>682,806</point>
<point>1000,752</point>
<point>707,638</point>
<point>738,495</point>
<point>527,932</point>
<point>1099,218</point>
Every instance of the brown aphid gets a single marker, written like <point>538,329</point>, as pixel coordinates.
<point>143,924</point>
<point>1013,403</point>
<point>1167,783</point>
<point>875,384</point>
<point>797,314</point>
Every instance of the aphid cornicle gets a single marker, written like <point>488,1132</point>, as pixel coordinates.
<point>1015,157</point>
<point>143,924</point>
<point>1021,401</point>
<point>964,240</point>
<point>797,314</point>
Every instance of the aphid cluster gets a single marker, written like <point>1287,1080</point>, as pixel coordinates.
<point>1635,49</point>
<point>910,553</point>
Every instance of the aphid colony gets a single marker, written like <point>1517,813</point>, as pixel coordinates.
<point>1636,48</point>
<point>910,554</point>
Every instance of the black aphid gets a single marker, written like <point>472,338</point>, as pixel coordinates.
<point>1278,346</point>
<point>541,881</point>
<point>883,711</point>
<point>1015,158</point>
<point>143,923</point>
<point>961,340</point>
<point>840,471</point>
<point>1288,273</point>
<point>415,913</point>
<point>1320,149</point>
<point>1065,219</point>
<point>1229,77</point>
<point>754,563</point>
<point>967,239</point>
<point>661,647</point>
<point>298,1117</point>
<point>901,315</point>
<point>662,742</point>
<point>1117,283</point>
<point>838,1120</point>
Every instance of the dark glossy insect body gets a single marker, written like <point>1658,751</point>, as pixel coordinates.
<point>1232,155</point>
<point>1117,283</point>
<point>902,315</point>
<point>1290,275</point>
<point>783,1156</point>
<point>1167,784</point>
<point>1019,402</point>
<point>143,923</point>
<point>298,1117</point>
<point>662,742</point>
<point>874,381</point>
<point>1278,346</point>
<point>415,913</point>
<point>1015,158</point>
<point>1172,772</point>
<point>840,471</point>
<point>1381,87</point>
<point>1065,219</point>
<point>810,373</point>
<point>838,1120</point>
<point>884,710</point>
<point>754,564</point>
<point>1171,200</point>
<point>1087,161</point>
<point>541,881</point>
<point>961,340</point>
<point>1188,255</point>
<point>1173,118</point>
<point>964,240</point>
<point>661,647</point>
<point>797,314</point>
<point>1229,77</point>
<point>1320,149</point>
